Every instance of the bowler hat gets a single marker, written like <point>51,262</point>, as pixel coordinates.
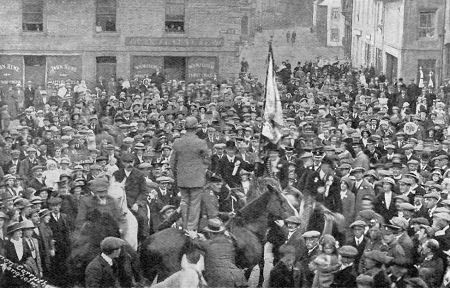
<point>230,145</point>
<point>215,225</point>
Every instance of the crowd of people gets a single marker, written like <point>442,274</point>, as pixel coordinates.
<point>186,154</point>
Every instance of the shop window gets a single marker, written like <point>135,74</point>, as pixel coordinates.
<point>33,15</point>
<point>35,69</point>
<point>174,22</point>
<point>334,35</point>
<point>106,16</point>
<point>427,24</point>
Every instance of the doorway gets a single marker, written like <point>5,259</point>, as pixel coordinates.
<point>35,70</point>
<point>391,67</point>
<point>106,67</point>
<point>175,68</point>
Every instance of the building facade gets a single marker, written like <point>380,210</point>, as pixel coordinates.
<point>329,22</point>
<point>400,38</point>
<point>68,40</point>
<point>347,11</point>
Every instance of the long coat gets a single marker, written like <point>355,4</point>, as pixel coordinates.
<point>189,160</point>
<point>100,274</point>
<point>363,189</point>
<point>46,245</point>
<point>61,235</point>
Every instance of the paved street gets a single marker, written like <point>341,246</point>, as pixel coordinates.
<point>307,47</point>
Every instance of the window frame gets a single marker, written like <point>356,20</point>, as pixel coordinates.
<point>42,6</point>
<point>331,35</point>
<point>422,31</point>
<point>335,11</point>
<point>100,26</point>
<point>174,20</point>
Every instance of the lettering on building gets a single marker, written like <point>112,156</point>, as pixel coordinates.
<point>182,42</point>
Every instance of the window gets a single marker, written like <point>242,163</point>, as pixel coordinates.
<point>426,24</point>
<point>334,35</point>
<point>106,16</point>
<point>335,14</point>
<point>33,15</point>
<point>106,67</point>
<point>174,16</point>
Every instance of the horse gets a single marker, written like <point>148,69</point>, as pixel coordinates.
<point>85,246</point>
<point>128,225</point>
<point>161,252</point>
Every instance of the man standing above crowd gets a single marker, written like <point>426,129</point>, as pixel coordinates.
<point>189,160</point>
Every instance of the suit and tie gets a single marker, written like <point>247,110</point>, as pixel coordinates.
<point>360,245</point>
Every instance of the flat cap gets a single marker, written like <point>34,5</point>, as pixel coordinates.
<point>420,220</point>
<point>406,206</point>
<point>443,216</point>
<point>219,146</point>
<point>311,234</point>
<point>358,223</point>
<point>306,155</point>
<point>434,195</point>
<point>144,165</point>
<point>364,279</point>
<point>111,243</point>
<point>37,167</point>
<point>348,251</point>
<point>388,180</point>
<point>378,256</point>
<point>164,179</point>
<point>54,201</point>
<point>399,222</point>
<point>358,169</point>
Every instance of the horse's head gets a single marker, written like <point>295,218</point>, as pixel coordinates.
<point>279,206</point>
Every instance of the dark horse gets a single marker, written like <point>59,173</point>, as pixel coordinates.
<point>161,252</point>
<point>85,245</point>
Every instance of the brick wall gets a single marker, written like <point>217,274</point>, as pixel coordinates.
<point>69,28</point>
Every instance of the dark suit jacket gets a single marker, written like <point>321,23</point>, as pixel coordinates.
<point>359,247</point>
<point>26,166</point>
<point>100,274</point>
<point>345,278</point>
<point>60,229</point>
<point>225,170</point>
<point>135,185</point>
<point>282,175</point>
<point>380,207</point>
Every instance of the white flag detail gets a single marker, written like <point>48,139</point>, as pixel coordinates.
<point>273,112</point>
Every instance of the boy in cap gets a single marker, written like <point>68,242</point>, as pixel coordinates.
<point>100,272</point>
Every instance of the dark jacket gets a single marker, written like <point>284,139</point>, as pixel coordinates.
<point>225,170</point>
<point>100,274</point>
<point>345,278</point>
<point>135,185</point>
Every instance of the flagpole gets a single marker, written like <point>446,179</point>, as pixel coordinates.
<point>269,58</point>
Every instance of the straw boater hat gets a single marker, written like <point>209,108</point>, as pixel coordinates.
<point>215,226</point>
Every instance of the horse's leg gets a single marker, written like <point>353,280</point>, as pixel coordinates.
<point>261,273</point>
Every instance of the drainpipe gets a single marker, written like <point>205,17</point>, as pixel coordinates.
<point>443,54</point>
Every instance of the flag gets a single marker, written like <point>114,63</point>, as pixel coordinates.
<point>273,112</point>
